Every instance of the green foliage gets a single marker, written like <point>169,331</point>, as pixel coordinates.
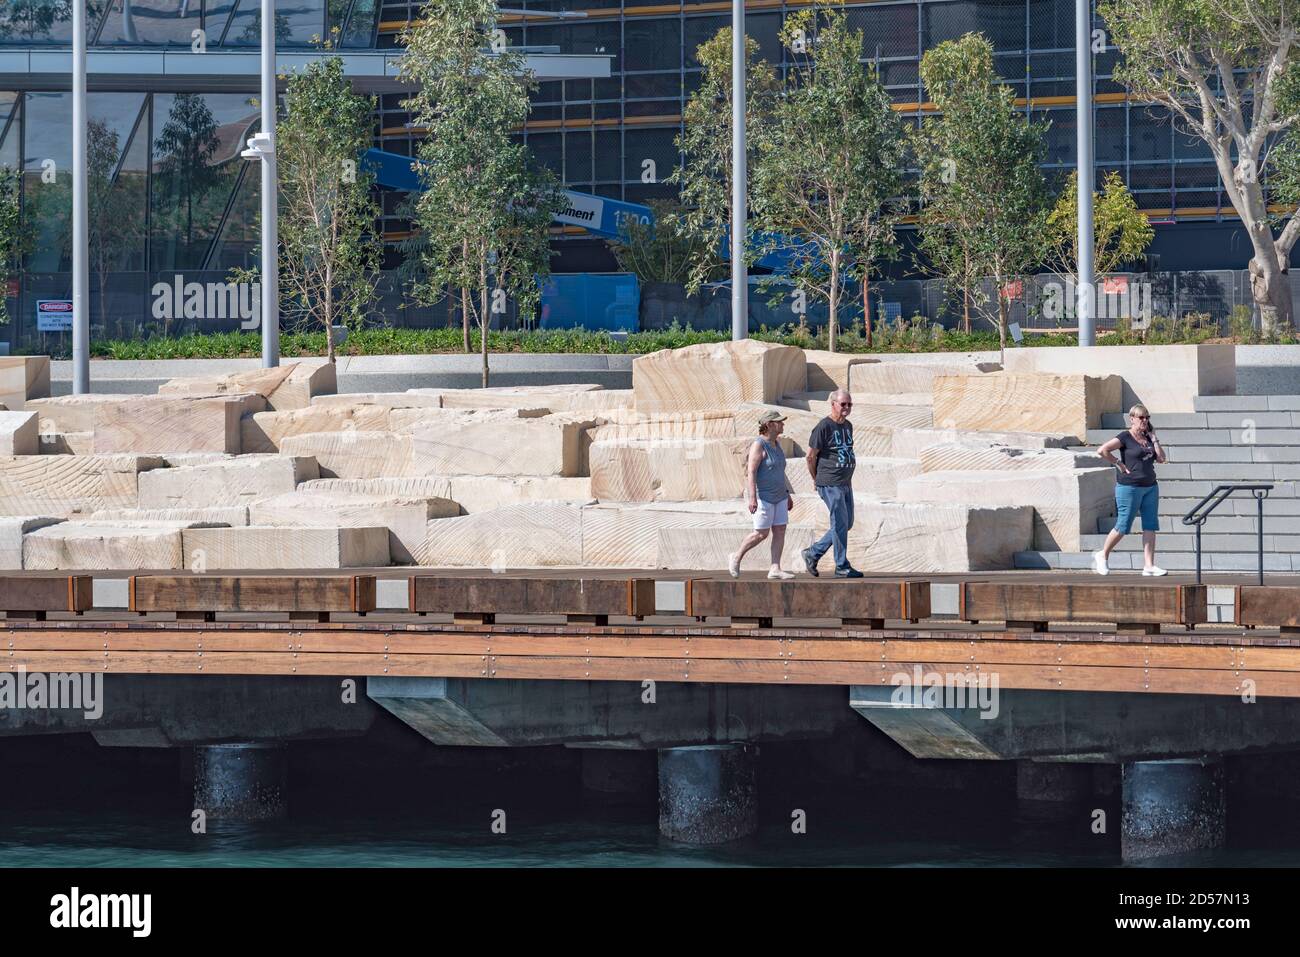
<point>662,250</point>
<point>826,175</point>
<point>902,335</point>
<point>1225,70</point>
<point>486,209</point>
<point>704,177</point>
<point>330,253</point>
<point>11,233</point>
<point>1122,233</point>
<point>984,200</point>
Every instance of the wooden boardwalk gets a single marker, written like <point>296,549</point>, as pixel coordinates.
<point>1030,630</point>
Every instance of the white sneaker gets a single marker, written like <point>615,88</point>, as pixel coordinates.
<point>1155,571</point>
<point>780,573</point>
<point>733,565</point>
<point>1099,563</point>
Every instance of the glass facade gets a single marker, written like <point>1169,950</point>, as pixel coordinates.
<point>616,137</point>
<point>182,199</point>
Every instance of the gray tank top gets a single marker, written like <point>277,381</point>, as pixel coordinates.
<point>769,480</point>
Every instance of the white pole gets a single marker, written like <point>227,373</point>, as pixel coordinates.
<point>1087,299</point>
<point>80,233</point>
<point>270,231</point>
<point>739,274</point>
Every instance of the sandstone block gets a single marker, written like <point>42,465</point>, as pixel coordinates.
<point>705,548</point>
<point>72,413</point>
<point>706,424</point>
<point>516,536</point>
<point>551,445</point>
<point>18,435</point>
<point>828,371</point>
<point>1163,378</point>
<point>90,546</point>
<point>66,443</point>
<point>283,387</point>
<point>405,518</point>
<point>717,375</point>
<point>1067,404</point>
<point>263,431</point>
<point>213,515</point>
<point>238,481</point>
<point>628,536</point>
<point>955,456</point>
<point>267,547</point>
<point>1066,503</point>
<point>23,378</point>
<point>172,423</point>
<point>352,453</point>
<point>670,470</point>
<point>12,530</point>
<point>896,382</point>
<point>70,485</point>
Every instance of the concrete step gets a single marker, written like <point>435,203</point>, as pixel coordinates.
<point>1202,454</point>
<point>1198,488</point>
<point>1236,433</point>
<point>1216,525</point>
<point>1170,560</point>
<point>1246,403</point>
<point>1244,542</point>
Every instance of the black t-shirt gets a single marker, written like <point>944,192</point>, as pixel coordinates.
<point>834,444</point>
<point>1141,461</point>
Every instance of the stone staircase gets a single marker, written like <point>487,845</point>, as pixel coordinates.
<point>1229,438</point>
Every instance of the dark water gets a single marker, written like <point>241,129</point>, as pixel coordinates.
<point>67,802</point>
<point>598,837</point>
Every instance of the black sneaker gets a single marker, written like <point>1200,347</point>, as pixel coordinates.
<point>809,563</point>
<point>848,573</point>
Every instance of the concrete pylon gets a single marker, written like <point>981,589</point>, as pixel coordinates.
<point>1172,807</point>
<point>241,782</point>
<point>708,794</point>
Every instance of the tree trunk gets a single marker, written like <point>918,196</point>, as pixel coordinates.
<point>1002,326</point>
<point>464,299</point>
<point>485,320</point>
<point>1270,286</point>
<point>329,316</point>
<point>866,309</point>
<point>965,309</point>
<point>833,322</point>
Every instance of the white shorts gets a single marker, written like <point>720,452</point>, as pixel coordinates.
<point>770,514</point>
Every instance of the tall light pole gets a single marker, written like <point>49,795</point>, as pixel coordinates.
<point>80,234</point>
<point>1086,307</point>
<point>739,274</point>
<point>262,147</point>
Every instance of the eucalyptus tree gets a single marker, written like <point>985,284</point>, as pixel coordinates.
<point>827,177</point>
<point>984,199</point>
<point>1226,71</point>
<point>705,175</point>
<point>1121,232</point>
<point>486,208</point>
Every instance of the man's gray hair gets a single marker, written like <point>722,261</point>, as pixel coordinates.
<point>839,395</point>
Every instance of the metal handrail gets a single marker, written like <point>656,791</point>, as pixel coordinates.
<point>1202,510</point>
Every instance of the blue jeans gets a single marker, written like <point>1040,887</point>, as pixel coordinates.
<point>839,502</point>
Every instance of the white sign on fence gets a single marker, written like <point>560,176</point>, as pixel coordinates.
<point>54,315</point>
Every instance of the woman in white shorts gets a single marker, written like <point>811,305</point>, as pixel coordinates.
<point>767,494</point>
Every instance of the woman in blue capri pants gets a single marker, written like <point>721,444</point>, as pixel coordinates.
<point>1136,491</point>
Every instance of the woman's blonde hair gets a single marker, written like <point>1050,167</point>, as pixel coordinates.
<point>1138,409</point>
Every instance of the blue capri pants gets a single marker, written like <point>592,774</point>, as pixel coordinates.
<point>1134,500</point>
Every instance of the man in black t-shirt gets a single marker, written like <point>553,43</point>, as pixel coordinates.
<point>831,462</point>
